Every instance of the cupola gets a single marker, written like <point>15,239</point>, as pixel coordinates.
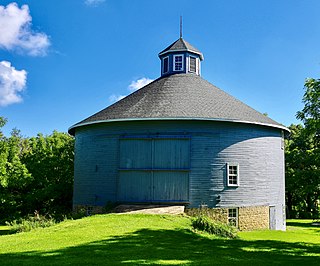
<point>180,57</point>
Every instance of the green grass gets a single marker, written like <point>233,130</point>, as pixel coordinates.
<point>156,240</point>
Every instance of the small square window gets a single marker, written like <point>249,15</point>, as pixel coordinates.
<point>233,175</point>
<point>233,217</point>
<point>178,62</point>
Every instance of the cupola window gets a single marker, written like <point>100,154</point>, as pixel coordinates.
<point>178,63</point>
<point>193,64</point>
<point>165,64</point>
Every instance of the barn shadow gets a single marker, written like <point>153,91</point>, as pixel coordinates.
<point>5,232</point>
<point>170,247</point>
<point>311,224</point>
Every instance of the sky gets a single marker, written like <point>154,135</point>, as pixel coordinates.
<point>62,61</point>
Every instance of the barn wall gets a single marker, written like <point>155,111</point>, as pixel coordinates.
<point>257,150</point>
<point>96,169</point>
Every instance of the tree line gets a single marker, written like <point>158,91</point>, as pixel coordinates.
<point>36,174</point>
<point>303,157</point>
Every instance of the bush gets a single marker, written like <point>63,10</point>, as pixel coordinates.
<point>215,214</point>
<point>79,213</point>
<point>203,223</point>
<point>30,223</point>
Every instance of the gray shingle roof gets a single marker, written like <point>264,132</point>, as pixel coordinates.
<point>180,96</point>
<point>181,45</point>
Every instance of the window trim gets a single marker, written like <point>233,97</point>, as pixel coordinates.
<point>174,62</point>
<point>196,64</point>
<point>232,218</point>
<point>237,175</point>
<point>163,65</point>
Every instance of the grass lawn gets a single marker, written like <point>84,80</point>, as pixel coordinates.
<point>156,240</point>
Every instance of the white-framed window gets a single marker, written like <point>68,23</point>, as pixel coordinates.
<point>165,62</point>
<point>233,217</point>
<point>193,64</point>
<point>233,174</point>
<point>178,62</point>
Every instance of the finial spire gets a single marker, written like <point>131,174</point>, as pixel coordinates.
<point>180,27</point>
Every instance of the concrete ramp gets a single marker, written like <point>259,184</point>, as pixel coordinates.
<point>149,209</point>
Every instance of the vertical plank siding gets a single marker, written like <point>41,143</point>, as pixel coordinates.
<point>257,150</point>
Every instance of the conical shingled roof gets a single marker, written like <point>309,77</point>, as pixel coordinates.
<point>179,97</point>
<point>181,45</point>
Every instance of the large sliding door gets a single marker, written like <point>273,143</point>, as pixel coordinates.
<point>154,169</point>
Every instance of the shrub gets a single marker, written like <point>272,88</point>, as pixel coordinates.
<point>79,213</point>
<point>215,214</point>
<point>203,223</point>
<point>30,223</point>
<point>110,206</point>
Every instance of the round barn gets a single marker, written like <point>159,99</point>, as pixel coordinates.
<point>181,140</point>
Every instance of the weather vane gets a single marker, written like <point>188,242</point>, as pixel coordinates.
<point>180,27</point>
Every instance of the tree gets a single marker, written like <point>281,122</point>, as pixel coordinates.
<point>310,114</point>
<point>303,156</point>
<point>35,174</point>
<point>14,176</point>
<point>302,179</point>
<point>50,161</point>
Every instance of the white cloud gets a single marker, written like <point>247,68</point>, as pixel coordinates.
<point>16,33</point>
<point>93,2</point>
<point>114,98</point>
<point>12,82</point>
<point>138,84</point>
<point>134,85</point>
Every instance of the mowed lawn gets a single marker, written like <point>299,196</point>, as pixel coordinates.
<point>156,240</point>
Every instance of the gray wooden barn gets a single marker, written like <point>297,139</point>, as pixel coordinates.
<point>181,140</point>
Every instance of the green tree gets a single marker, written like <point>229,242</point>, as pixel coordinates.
<point>310,114</point>
<point>302,177</point>
<point>14,176</point>
<point>50,161</point>
<point>303,156</point>
<point>35,174</point>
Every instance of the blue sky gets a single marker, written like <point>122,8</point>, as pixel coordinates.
<point>62,61</point>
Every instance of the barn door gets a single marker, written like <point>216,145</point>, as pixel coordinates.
<point>154,169</point>
<point>134,184</point>
<point>169,186</point>
<point>171,169</point>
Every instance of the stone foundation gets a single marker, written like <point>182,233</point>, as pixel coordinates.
<point>253,218</point>
<point>249,218</point>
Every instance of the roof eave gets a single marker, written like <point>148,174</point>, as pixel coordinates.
<point>181,50</point>
<point>71,130</point>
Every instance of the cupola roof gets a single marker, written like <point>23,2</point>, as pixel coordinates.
<point>181,45</point>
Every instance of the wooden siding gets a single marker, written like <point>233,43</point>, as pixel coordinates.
<point>257,150</point>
